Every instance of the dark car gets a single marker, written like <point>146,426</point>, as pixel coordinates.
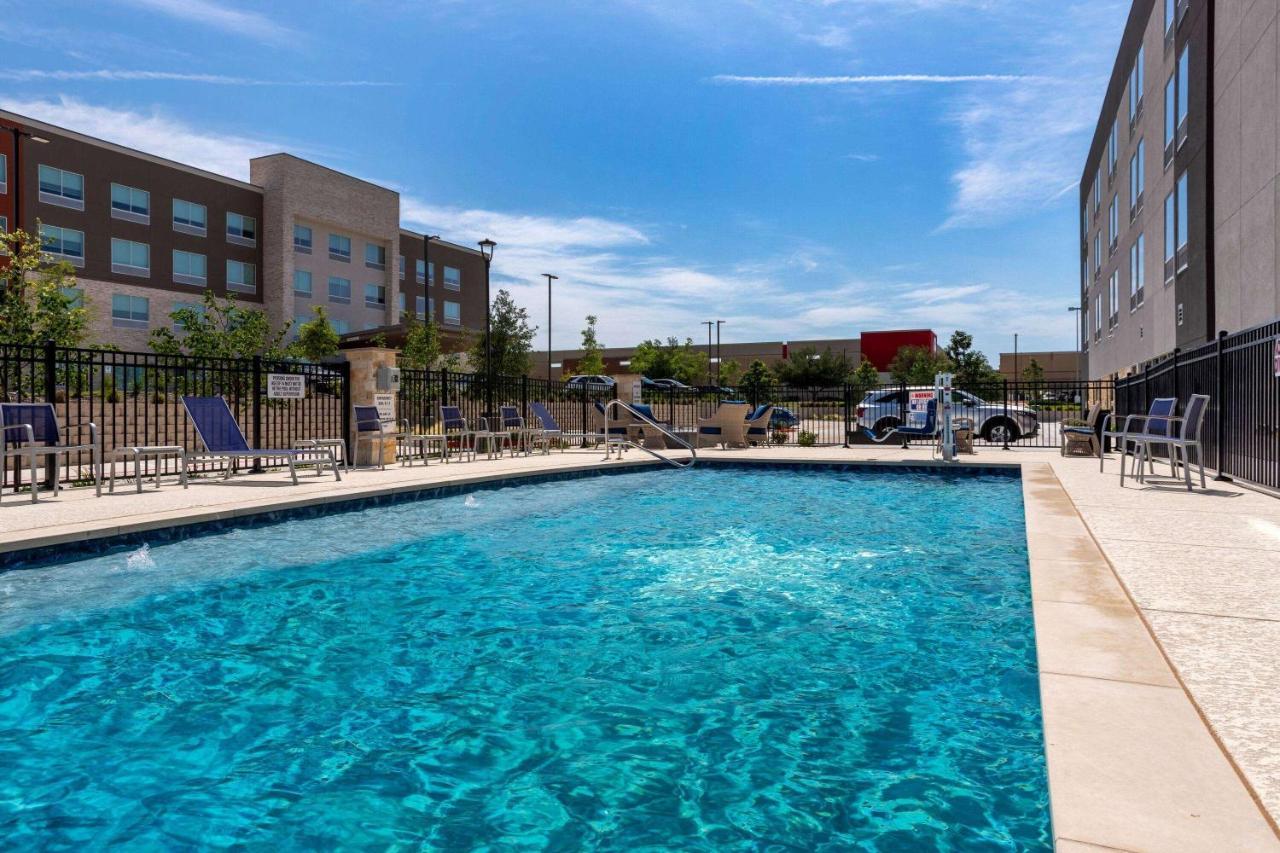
<point>783,418</point>
<point>668,384</point>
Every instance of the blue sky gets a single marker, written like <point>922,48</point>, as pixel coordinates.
<point>798,168</point>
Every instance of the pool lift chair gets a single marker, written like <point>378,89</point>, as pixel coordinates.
<point>933,426</point>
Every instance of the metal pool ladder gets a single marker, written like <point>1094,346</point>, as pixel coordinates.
<point>622,443</point>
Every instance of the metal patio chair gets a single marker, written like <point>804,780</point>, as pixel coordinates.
<point>32,430</point>
<point>1155,423</point>
<point>223,439</point>
<point>1083,436</point>
<point>1189,430</point>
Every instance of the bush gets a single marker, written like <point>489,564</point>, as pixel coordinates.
<point>780,436</point>
<point>806,439</point>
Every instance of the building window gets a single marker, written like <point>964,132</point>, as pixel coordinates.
<point>60,187</point>
<point>1137,274</point>
<point>400,265</point>
<point>431,306</point>
<point>1136,84</point>
<point>302,283</point>
<point>66,244</point>
<point>130,203</point>
<point>1170,9</point>
<point>178,325</point>
<point>242,277</point>
<point>130,258</point>
<point>1113,222</point>
<point>74,296</point>
<point>375,256</point>
<point>1170,237</point>
<point>1097,193</point>
<point>1184,85</point>
<point>1113,294</point>
<point>4,174</point>
<point>339,247</point>
<point>1084,325</point>
<point>302,239</point>
<point>242,229</point>
<point>452,278</point>
<point>4,227</point>
<point>1137,180</point>
<point>375,296</point>
<point>340,290</point>
<point>1111,151</point>
<point>1182,230</point>
<point>452,313</point>
<point>189,268</point>
<point>420,271</point>
<point>1097,253</point>
<point>340,325</point>
<point>130,312</point>
<point>420,305</point>
<point>1097,317</point>
<point>189,217</point>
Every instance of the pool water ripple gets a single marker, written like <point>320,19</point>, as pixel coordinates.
<point>709,659</point>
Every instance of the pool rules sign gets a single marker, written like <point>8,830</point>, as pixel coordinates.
<point>286,386</point>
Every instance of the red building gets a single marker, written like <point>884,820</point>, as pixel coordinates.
<point>879,348</point>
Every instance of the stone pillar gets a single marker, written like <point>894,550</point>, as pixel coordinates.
<point>628,387</point>
<point>365,362</point>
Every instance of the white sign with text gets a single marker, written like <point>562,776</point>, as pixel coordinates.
<point>286,386</point>
<point>386,404</point>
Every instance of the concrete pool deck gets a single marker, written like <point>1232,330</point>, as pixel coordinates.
<point>1157,619</point>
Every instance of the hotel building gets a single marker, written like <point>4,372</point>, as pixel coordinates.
<point>1178,199</point>
<point>147,236</point>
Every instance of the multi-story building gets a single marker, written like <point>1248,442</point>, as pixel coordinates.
<point>1178,199</point>
<point>148,236</point>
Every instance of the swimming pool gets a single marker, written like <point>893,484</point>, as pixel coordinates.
<point>701,659</point>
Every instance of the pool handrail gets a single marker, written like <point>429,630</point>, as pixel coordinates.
<point>624,442</point>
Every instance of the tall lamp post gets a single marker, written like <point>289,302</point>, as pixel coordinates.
<point>486,251</point>
<point>1016,374</point>
<point>18,135</point>
<point>708,324</point>
<point>550,278</point>
<point>1076,309</point>
<point>719,358</point>
<point>427,277</point>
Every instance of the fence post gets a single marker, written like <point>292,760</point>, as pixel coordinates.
<point>257,408</point>
<point>1220,419</point>
<point>50,392</point>
<point>583,388</point>
<point>1176,383</point>
<point>524,395</point>
<point>848,396</point>
<point>1006,415</point>
<point>1146,387</point>
<point>346,411</point>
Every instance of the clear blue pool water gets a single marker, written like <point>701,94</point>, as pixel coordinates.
<point>708,659</point>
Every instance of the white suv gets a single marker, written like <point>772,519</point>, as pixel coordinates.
<point>881,410</point>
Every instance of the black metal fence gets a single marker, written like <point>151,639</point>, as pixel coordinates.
<point>135,398</point>
<point>1238,372</point>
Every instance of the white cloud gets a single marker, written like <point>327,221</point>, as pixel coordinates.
<point>210,13</point>
<point>154,133</point>
<point>110,75</point>
<point>871,79</point>
<point>862,158</point>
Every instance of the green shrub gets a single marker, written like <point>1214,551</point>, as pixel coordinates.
<point>806,439</point>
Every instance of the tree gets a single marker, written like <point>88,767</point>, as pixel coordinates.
<point>808,368</point>
<point>672,360</point>
<point>971,368</point>
<point>511,339</point>
<point>317,339</point>
<point>756,381</point>
<point>421,344</point>
<point>219,328</point>
<point>729,372</point>
<point>592,361</point>
<point>1033,376</point>
<point>37,303</point>
<point>918,365</point>
<point>864,379</point>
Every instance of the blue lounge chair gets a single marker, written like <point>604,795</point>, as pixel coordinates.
<point>551,429</point>
<point>369,427</point>
<point>928,429</point>
<point>454,426</point>
<point>31,430</point>
<point>758,425</point>
<point>1155,423</point>
<point>223,439</point>
<point>1182,434</point>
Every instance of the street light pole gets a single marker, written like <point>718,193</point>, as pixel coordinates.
<point>1075,309</point>
<point>708,323</point>
<point>550,278</point>
<point>486,251</point>
<point>719,358</point>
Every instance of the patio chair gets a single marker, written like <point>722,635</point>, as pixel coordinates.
<point>454,426</point>
<point>1154,423</point>
<point>727,426</point>
<point>370,428</point>
<point>928,429</point>
<point>758,425</point>
<point>32,430</point>
<point>1189,430</point>
<point>223,439</point>
<point>551,429</point>
<point>514,422</point>
<point>1083,436</point>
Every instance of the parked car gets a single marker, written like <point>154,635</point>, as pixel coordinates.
<point>669,384</point>
<point>592,382</point>
<point>881,410</point>
<point>783,418</point>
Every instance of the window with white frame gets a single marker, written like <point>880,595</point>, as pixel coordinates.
<point>242,229</point>
<point>130,203</point>
<point>420,271</point>
<point>1097,193</point>
<point>130,258</point>
<point>1136,84</point>
<point>1084,325</point>
<point>1182,230</point>
<point>339,290</point>
<point>60,187</point>
<point>190,268</point>
<point>302,283</point>
<point>452,313</point>
<point>1170,13</point>
<point>1170,237</point>
<point>64,243</point>
<point>1113,294</point>
<point>1097,317</point>
<point>4,173</point>
<point>302,239</point>
<point>375,256</point>
<point>400,266</point>
<point>179,323</point>
<point>1137,273</point>
<point>130,312</point>
<point>420,305</point>
<point>1112,150</point>
<point>375,296</point>
<point>1097,252</point>
<point>340,325</point>
<point>452,278</point>
<point>242,277</point>
<point>1184,87</point>
<point>190,217</point>
<point>1113,222</point>
<point>431,306</point>
<point>340,247</point>
<point>4,228</point>
<point>1137,180</point>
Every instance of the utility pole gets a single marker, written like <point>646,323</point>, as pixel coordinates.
<point>708,324</point>
<point>719,358</point>
<point>550,278</point>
